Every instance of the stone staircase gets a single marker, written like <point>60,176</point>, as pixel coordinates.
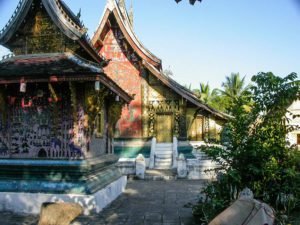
<point>163,156</point>
<point>161,175</point>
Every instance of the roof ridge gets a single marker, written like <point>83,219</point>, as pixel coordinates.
<point>130,27</point>
<point>58,6</point>
<point>21,6</point>
<point>74,17</point>
<point>112,5</point>
<point>13,16</point>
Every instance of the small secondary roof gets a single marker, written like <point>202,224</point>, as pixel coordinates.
<point>55,67</point>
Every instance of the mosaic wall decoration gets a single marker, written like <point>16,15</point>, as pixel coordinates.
<point>40,126</point>
<point>124,69</point>
<point>145,115</point>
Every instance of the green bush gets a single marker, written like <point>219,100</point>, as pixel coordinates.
<point>257,154</point>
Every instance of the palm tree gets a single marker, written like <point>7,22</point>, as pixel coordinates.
<point>204,93</point>
<point>212,98</point>
<point>234,86</point>
<point>235,89</point>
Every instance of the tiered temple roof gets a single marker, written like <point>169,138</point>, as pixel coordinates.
<point>61,62</point>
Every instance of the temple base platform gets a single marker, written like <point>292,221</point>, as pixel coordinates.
<point>26,184</point>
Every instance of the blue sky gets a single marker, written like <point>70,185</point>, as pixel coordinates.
<point>207,41</point>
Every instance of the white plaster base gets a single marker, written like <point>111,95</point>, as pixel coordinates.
<point>127,165</point>
<point>201,169</point>
<point>31,202</point>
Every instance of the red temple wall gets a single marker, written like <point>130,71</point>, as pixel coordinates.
<point>123,69</point>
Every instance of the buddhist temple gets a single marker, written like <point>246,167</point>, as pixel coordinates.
<point>164,116</point>
<point>58,112</point>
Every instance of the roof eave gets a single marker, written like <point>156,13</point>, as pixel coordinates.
<point>60,78</point>
<point>96,73</point>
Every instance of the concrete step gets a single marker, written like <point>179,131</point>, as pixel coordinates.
<point>163,151</point>
<point>163,165</point>
<point>157,174</point>
<point>163,156</point>
<point>164,144</point>
<point>163,148</point>
<point>162,160</point>
<point>159,151</point>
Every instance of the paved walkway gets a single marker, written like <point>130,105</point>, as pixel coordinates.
<point>143,203</point>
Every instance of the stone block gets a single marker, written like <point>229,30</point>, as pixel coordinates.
<point>181,166</point>
<point>126,166</point>
<point>140,166</point>
<point>201,169</point>
<point>59,213</point>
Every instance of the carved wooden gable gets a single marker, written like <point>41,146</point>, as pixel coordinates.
<point>39,34</point>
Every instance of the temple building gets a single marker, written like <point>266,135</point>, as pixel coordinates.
<point>58,112</point>
<point>162,109</point>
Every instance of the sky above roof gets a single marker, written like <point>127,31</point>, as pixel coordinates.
<point>207,41</point>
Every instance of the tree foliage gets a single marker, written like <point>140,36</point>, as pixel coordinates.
<point>257,154</point>
<point>233,88</point>
<point>210,96</point>
<point>204,93</point>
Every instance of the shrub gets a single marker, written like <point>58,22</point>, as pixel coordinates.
<point>257,154</point>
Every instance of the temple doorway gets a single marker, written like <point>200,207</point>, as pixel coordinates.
<point>164,128</point>
<point>196,130</point>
